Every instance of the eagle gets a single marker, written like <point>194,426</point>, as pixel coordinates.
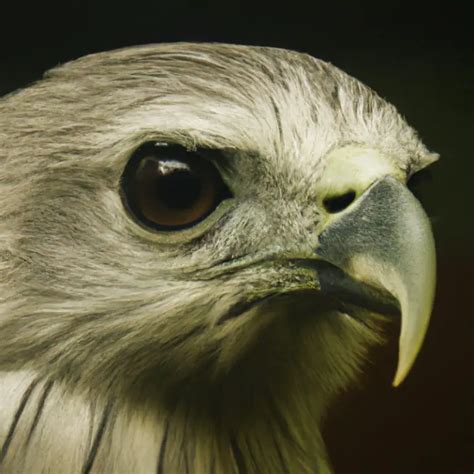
<point>199,246</point>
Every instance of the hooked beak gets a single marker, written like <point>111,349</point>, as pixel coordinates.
<point>379,249</point>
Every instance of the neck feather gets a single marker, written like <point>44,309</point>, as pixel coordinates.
<point>45,427</point>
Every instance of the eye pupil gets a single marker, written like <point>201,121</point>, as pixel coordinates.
<point>171,188</point>
<point>178,190</point>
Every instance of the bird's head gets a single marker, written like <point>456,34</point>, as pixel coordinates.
<point>185,216</point>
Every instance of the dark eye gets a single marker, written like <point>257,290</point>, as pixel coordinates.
<point>168,187</point>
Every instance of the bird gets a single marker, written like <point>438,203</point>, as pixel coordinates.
<point>200,244</point>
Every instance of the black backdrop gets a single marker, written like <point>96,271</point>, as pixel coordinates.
<point>418,57</point>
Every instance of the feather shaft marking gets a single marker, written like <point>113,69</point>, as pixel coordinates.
<point>16,419</point>
<point>39,411</point>
<point>97,440</point>
<point>161,456</point>
<point>238,456</point>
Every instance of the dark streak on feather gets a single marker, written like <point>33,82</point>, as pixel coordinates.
<point>186,461</point>
<point>239,458</point>
<point>39,410</point>
<point>97,440</point>
<point>90,435</point>
<point>278,119</point>
<point>161,455</point>
<point>16,419</point>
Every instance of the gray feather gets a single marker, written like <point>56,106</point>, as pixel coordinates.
<point>100,311</point>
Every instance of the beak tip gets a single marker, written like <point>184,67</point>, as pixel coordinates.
<point>399,377</point>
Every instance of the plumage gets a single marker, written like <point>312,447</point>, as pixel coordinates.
<point>119,348</point>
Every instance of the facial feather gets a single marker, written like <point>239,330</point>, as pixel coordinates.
<point>94,302</point>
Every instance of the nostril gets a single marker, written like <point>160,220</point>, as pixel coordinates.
<point>339,203</point>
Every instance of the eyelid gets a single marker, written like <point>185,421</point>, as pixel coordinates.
<point>218,156</point>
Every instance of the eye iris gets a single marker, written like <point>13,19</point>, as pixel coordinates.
<point>171,188</point>
<point>174,193</point>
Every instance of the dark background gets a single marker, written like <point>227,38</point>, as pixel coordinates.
<point>417,57</point>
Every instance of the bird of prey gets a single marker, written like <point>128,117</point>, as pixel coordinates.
<point>199,243</point>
